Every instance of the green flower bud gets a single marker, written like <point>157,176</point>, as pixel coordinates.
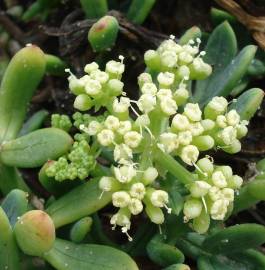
<point>203,143</point>
<point>82,102</point>
<point>235,147</point>
<point>201,223</point>
<point>235,182</point>
<point>192,209</point>
<point>115,87</point>
<point>35,233</point>
<point>205,165</point>
<point>152,60</point>
<point>103,34</point>
<point>155,214</point>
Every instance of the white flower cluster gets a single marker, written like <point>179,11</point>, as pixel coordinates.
<point>211,195</point>
<point>228,127</point>
<point>184,61</point>
<point>158,123</point>
<point>97,87</point>
<point>131,192</point>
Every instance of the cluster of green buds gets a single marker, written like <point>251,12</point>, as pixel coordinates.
<point>163,118</point>
<point>211,195</point>
<point>61,121</point>
<point>75,165</point>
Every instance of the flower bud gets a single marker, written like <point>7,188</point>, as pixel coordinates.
<point>149,88</point>
<point>149,175</point>
<point>82,102</point>
<point>35,233</point>
<point>132,139</point>
<point>181,96</point>
<point>235,182</point>
<point>91,67</point>
<point>205,165</point>
<point>165,79</point>
<point>193,111</point>
<point>219,179</point>
<point>121,199</point>
<point>155,214</point>
<point>192,208</point>
<point>203,143</point>
<point>201,223</point>
<point>189,154</point>
<point>180,122</point>
<point>105,137</point>
<point>135,206</point>
<point>144,78</point>
<point>115,87</point>
<point>199,189</point>
<point>233,118</point>
<point>152,60</point>
<point>169,59</point>
<point>137,191</point>
<point>215,107</point>
<point>168,106</point>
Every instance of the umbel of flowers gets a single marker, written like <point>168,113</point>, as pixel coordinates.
<point>163,118</point>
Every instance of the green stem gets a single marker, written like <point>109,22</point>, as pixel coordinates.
<point>173,166</point>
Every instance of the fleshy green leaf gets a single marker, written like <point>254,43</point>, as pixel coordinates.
<point>68,256</point>
<point>221,48</point>
<point>248,103</point>
<point>235,238</point>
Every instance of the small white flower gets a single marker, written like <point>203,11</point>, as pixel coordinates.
<point>125,173</point>
<point>164,93</point>
<point>189,154</point>
<point>228,194</point>
<point>228,135</point>
<point>144,78</point>
<point>165,78</point>
<point>91,67</point>
<point>199,189</point>
<point>207,124</point>
<point>120,220</point>
<point>137,191</point>
<point>168,106</point>
<point>219,209</point>
<point>105,137</point>
<point>159,198</point>
<point>121,199</point>
<point>215,193</point>
<point>146,103</point>
<point>233,118</point>
<point>169,59</point>
<point>183,72</point>
<point>93,128</point>
<point>122,105</point>
<point>185,137</point>
<point>192,209</point>
<point>221,121</point>
<point>149,88</point>
<point>169,141</point>
<point>93,87</point>
<point>135,206</point>
<point>219,104</point>
<point>185,58</point>
<point>180,122</point>
<point>235,182</point>
<point>196,129</point>
<point>124,127</point>
<point>114,67</point>
<point>132,139</point>
<point>122,152</point>
<point>191,50</point>
<point>193,111</point>
<point>181,95</point>
<point>150,174</point>
<point>106,183</point>
<point>218,179</point>
<point>99,76</point>
<point>112,122</point>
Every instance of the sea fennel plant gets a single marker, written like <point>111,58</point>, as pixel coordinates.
<point>146,158</point>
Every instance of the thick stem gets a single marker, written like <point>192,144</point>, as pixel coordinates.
<point>173,166</point>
